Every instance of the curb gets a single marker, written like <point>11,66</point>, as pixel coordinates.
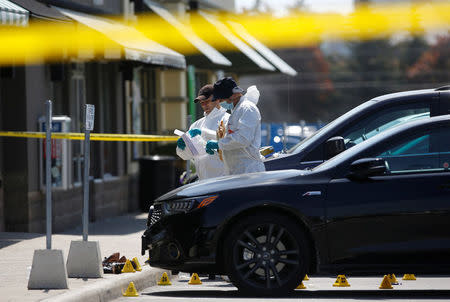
<point>111,288</point>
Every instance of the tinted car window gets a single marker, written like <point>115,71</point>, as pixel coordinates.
<point>419,145</point>
<point>382,120</point>
<point>415,153</point>
<point>316,136</point>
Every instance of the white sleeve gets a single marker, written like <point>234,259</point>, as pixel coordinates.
<point>244,132</point>
<point>208,134</point>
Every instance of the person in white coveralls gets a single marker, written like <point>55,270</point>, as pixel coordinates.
<point>207,166</point>
<point>242,136</point>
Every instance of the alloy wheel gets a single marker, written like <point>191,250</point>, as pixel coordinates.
<point>266,256</point>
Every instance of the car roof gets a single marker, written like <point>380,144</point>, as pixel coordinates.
<point>406,94</point>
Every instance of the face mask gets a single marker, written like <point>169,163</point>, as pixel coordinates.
<point>227,106</point>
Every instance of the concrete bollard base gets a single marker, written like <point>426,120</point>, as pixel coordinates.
<point>48,270</point>
<point>84,260</point>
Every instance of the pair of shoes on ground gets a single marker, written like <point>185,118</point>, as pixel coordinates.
<point>114,258</point>
<point>114,264</point>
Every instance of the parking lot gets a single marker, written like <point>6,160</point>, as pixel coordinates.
<point>318,288</point>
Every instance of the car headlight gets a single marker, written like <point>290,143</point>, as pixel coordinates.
<point>185,205</point>
<point>179,206</point>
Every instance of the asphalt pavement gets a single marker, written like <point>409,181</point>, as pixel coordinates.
<point>118,234</point>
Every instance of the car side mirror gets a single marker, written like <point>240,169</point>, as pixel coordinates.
<point>367,167</point>
<point>334,146</point>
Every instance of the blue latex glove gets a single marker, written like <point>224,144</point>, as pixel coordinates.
<point>212,145</point>
<point>195,132</point>
<point>181,144</point>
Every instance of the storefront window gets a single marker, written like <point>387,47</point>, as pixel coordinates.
<point>148,107</point>
<point>77,101</point>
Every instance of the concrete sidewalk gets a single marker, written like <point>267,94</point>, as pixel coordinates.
<point>119,234</point>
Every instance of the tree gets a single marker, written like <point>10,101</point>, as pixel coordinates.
<point>434,64</point>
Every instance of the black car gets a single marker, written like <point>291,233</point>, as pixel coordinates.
<point>363,122</point>
<point>382,206</point>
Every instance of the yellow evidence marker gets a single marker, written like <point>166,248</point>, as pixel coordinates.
<point>195,280</point>
<point>128,267</point>
<point>164,280</point>
<point>392,279</point>
<point>385,284</point>
<point>131,291</point>
<point>409,277</point>
<point>301,286</point>
<point>138,265</point>
<point>341,281</point>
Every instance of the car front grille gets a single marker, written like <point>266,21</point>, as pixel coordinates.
<point>157,214</point>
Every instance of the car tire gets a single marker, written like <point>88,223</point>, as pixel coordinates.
<point>266,254</point>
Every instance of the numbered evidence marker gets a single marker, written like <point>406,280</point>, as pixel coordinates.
<point>128,267</point>
<point>138,265</point>
<point>341,281</point>
<point>392,279</point>
<point>195,279</point>
<point>131,291</point>
<point>164,280</point>
<point>301,286</point>
<point>385,284</point>
<point>409,277</point>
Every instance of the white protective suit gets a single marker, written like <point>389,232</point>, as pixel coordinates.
<point>240,146</point>
<point>207,166</point>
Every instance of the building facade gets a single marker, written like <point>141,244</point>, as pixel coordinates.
<point>132,93</point>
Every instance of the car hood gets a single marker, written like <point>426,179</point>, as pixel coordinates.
<point>225,183</point>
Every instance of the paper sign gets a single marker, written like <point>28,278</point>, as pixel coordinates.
<point>90,113</point>
<point>195,149</point>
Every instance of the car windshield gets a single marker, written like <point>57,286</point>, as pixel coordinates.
<point>308,141</point>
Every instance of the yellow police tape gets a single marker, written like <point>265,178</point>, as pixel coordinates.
<point>61,41</point>
<point>93,136</point>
